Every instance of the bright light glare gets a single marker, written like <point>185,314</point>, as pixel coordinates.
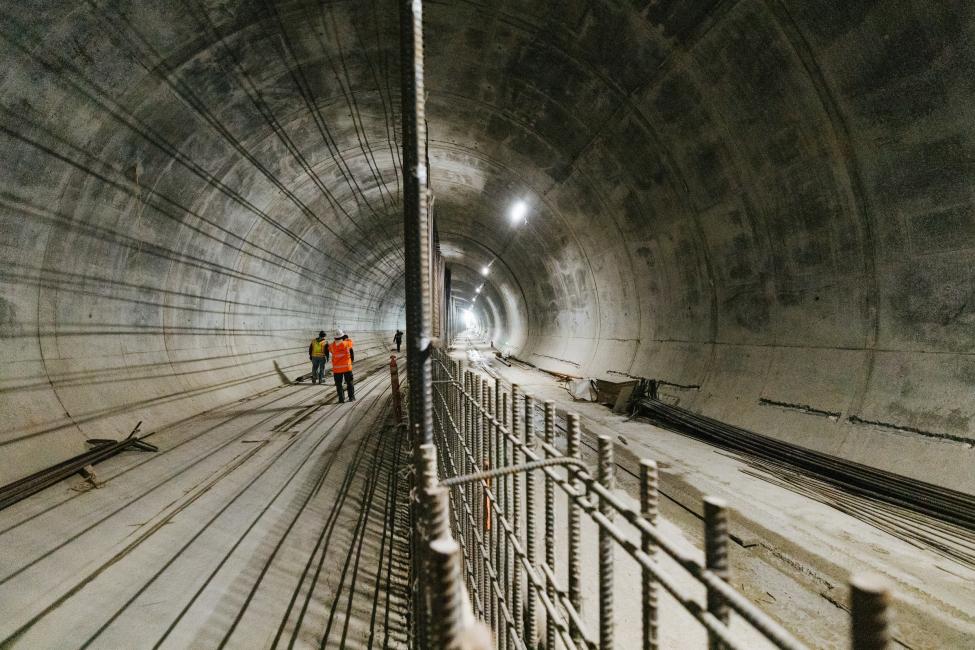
<point>485,270</point>
<point>478,290</point>
<point>470,321</point>
<point>518,213</point>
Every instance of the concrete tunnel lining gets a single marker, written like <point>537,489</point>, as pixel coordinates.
<point>766,199</point>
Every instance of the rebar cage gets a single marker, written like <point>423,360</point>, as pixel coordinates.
<point>492,570</point>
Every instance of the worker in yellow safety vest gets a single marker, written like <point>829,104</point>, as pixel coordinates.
<point>342,357</point>
<point>318,354</point>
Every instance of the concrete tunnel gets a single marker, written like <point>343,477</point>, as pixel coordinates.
<point>765,205</point>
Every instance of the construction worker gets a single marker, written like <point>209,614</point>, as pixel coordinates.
<point>398,339</point>
<point>342,357</point>
<point>318,354</point>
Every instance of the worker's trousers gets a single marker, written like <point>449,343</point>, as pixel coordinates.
<point>317,369</point>
<point>346,377</point>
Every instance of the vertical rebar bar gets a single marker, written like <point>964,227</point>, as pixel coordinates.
<point>427,464</point>
<point>416,224</point>
<point>489,508</point>
<point>550,628</point>
<point>458,372</point>
<point>716,558</point>
<point>416,238</point>
<point>438,500</point>
<point>516,512</point>
<point>446,602</point>
<point>470,462</point>
<point>607,479</point>
<point>573,445</point>
<point>503,487</point>
<point>870,600</point>
<point>465,469</point>
<point>531,627</point>
<point>480,497</point>
<point>649,507</point>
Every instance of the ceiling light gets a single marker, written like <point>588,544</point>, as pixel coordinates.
<point>485,270</point>
<point>518,213</point>
<point>478,290</point>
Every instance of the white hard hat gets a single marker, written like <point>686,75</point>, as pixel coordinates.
<point>339,334</point>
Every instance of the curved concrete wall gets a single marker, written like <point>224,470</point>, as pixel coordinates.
<point>767,202</point>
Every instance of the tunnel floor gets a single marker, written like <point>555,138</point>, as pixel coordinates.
<point>274,522</point>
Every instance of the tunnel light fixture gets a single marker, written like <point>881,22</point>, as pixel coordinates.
<point>518,213</point>
<point>485,270</point>
<point>478,290</point>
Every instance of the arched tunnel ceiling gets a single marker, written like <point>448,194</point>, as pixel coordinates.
<point>765,202</point>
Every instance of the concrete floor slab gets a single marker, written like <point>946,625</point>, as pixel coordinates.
<point>251,527</point>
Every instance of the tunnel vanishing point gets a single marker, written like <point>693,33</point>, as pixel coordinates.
<point>760,212</point>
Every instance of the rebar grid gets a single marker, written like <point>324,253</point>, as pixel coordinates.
<point>560,612</point>
<point>483,462</point>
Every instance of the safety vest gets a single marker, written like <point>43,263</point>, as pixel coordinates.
<point>318,348</point>
<point>341,359</point>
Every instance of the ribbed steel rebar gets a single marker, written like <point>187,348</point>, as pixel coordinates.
<point>921,497</point>
<point>595,498</point>
<point>531,627</point>
<point>480,500</point>
<point>447,602</point>
<point>516,512</point>
<point>607,480</point>
<point>489,464</point>
<point>573,450</point>
<point>550,629</point>
<point>504,484</point>
<point>869,601</point>
<point>716,559</point>
<point>649,506</point>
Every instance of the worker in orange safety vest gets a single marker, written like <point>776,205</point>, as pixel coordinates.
<point>342,357</point>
